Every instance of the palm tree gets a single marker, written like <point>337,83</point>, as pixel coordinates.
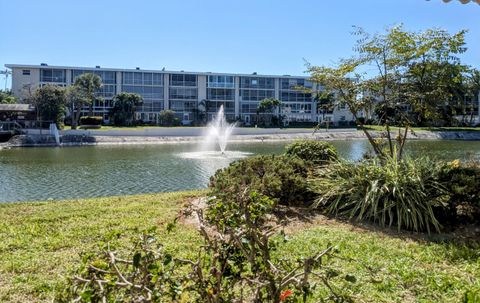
<point>89,84</point>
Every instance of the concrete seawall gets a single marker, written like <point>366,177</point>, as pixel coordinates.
<point>80,139</point>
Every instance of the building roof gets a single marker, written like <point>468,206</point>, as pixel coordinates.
<point>17,108</point>
<point>44,66</point>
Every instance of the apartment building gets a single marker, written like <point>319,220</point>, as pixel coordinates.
<point>183,92</point>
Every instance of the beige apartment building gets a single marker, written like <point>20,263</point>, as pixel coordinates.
<point>183,92</point>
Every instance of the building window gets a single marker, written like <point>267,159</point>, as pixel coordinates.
<point>221,81</point>
<point>183,80</point>
<point>26,72</point>
<point>52,75</point>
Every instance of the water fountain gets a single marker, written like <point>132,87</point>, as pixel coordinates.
<point>215,141</point>
<point>219,130</point>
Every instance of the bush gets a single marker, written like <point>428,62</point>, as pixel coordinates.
<point>281,178</point>
<point>235,263</point>
<point>404,193</point>
<point>462,182</point>
<point>91,120</point>
<point>167,118</point>
<point>314,152</point>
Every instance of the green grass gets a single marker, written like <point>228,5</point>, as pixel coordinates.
<point>41,244</point>
<point>136,128</point>
<point>432,129</point>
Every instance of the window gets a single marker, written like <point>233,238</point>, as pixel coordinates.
<point>221,81</point>
<point>183,80</point>
<point>257,82</point>
<point>52,75</point>
<point>26,72</point>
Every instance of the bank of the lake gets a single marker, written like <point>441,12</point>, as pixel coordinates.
<point>195,134</point>
<point>42,242</point>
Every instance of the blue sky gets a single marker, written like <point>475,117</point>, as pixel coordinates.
<point>244,36</point>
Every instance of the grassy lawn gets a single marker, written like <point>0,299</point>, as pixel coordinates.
<point>432,129</point>
<point>40,244</point>
<point>138,128</point>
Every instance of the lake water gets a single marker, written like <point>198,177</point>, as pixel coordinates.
<point>75,172</point>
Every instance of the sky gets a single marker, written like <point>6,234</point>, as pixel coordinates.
<point>242,36</point>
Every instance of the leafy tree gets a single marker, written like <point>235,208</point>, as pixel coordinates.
<point>412,70</point>
<point>88,85</point>
<point>473,91</point>
<point>6,97</point>
<point>51,102</point>
<point>76,99</point>
<point>325,102</point>
<point>124,107</point>
<point>167,117</point>
<point>269,105</point>
<point>432,69</point>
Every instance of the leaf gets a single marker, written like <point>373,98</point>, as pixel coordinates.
<point>136,259</point>
<point>350,278</point>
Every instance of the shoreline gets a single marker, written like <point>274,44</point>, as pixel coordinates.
<point>86,139</point>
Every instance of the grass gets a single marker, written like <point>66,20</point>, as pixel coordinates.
<point>432,129</point>
<point>41,243</point>
<point>137,128</point>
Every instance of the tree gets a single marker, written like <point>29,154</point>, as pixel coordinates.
<point>412,70</point>
<point>167,117</point>
<point>473,91</point>
<point>124,107</point>
<point>269,105</point>
<point>6,97</point>
<point>325,103</point>
<point>75,100</point>
<point>51,102</point>
<point>88,85</point>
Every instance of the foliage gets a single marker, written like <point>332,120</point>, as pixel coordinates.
<point>38,250</point>
<point>124,107</point>
<point>414,71</point>
<point>270,106</point>
<point>51,103</point>
<point>234,264</point>
<point>6,97</point>
<point>404,192</point>
<point>462,182</point>
<point>84,92</point>
<point>281,178</point>
<point>167,117</point>
<point>145,275</point>
<point>311,151</point>
<point>91,120</point>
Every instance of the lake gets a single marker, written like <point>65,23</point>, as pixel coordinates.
<point>77,172</point>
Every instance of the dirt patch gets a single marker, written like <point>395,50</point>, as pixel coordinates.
<point>297,219</point>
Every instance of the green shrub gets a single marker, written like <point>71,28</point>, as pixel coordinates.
<point>315,152</point>
<point>281,178</point>
<point>237,262</point>
<point>91,120</point>
<point>462,182</point>
<point>404,192</point>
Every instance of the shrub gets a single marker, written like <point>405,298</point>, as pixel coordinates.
<point>235,263</point>
<point>315,152</point>
<point>91,120</point>
<point>167,118</point>
<point>281,178</point>
<point>462,182</point>
<point>404,193</point>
